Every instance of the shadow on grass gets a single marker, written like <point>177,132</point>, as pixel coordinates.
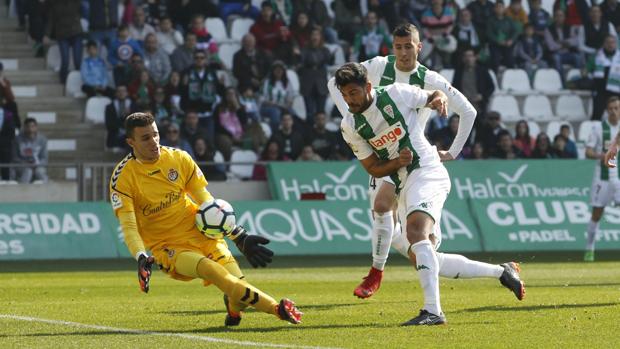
<point>568,284</point>
<point>536,307</point>
<point>222,311</point>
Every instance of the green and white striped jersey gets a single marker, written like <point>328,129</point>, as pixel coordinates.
<point>387,126</point>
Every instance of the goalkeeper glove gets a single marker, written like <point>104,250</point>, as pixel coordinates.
<point>145,264</point>
<point>251,247</point>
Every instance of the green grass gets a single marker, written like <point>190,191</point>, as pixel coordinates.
<point>568,305</point>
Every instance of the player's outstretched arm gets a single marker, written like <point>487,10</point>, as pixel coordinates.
<point>252,247</point>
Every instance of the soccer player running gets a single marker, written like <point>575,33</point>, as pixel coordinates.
<point>602,146</point>
<point>154,191</point>
<point>403,67</point>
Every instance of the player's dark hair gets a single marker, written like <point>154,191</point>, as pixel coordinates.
<point>137,120</point>
<point>351,73</point>
<point>612,99</point>
<point>406,29</point>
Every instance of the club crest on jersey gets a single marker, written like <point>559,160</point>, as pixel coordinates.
<point>389,110</point>
<point>390,136</point>
<point>116,201</point>
<point>172,175</point>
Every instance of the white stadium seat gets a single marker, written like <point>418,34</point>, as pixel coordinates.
<point>293,79</point>
<point>243,171</point>
<point>95,109</point>
<point>299,107</point>
<point>52,58</point>
<point>547,80</point>
<point>516,80</point>
<point>537,108</point>
<point>226,53</point>
<point>448,74</point>
<point>570,107</point>
<point>585,129</point>
<point>494,78</point>
<point>573,74</point>
<point>534,128</point>
<point>553,128</point>
<point>507,106</point>
<point>266,129</point>
<point>73,86</point>
<point>215,26</point>
<point>240,27</point>
<point>336,50</point>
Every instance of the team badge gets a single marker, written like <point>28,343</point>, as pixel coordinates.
<point>116,201</point>
<point>388,110</point>
<point>172,175</point>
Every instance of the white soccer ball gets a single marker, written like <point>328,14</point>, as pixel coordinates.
<point>215,218</point>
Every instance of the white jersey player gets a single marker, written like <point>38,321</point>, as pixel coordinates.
<point>381,125</point>
<point>404,68</point>
<point>606,181</point>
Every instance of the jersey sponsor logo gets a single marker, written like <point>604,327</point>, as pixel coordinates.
<point>170,198</point>
<point>116,201</point>
<point>152,173</point>
<point>391,135</point>
<point>389,110</point>
<point>172,175</point>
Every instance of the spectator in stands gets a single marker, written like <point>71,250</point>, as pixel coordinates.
<point>139,29</point>
<point>542,149</point>
<point>489,131</point>
<point>30,148</point>
<point>128,12</point>
<point>121,53</point>
<point>142,89</point>
<point>191,130</point>
<point>173,94</point>
<point>481,11</point>
<point>160,107</point>
<point>283,10</point>
<point>505,147</point>
<point>308,154</point>
<point>9,123</point>
<point>204,152</point>
<point>249,102</point>
<point>323,141</point>
<point>271,152</point>
<point>559,148</point>
<point>562,44</point>
<point>94,73</point>
<point>250,65</point>
<point>477,152</point>
<point>438,22</point>
<point>372,41</point>
<point>156,60</point>
<point>290,140</point>
<point>317,13</point>
<point>6,92</point>
<point>611,11</point>
<point>201,91</point>
<point>204,40</point>
<point>313,72</point>
<point>63,24</point>
<point>523,140</point>
<point>387,13</point>
<point>529,51</point>
<point>155,11</point>
<point>466,34</point>
<point>287,50</point>
<point>229,121</point>
<point>242,8</point>
<point>183,56</point>
<point>103,21</point>
<point>266,29</point>
<point>539,18</point>
<point>516,12</point>
<point>168,37</point>
<point>172,138</point>
<point>446,135</point>
<point>277,95</point>
<point>474,81</point>
<point>436,123</point>
<point>575,10</point>
<point>115,114</point>
<point>606,75</point>
<point>501,33</point>
<point>571,147</point>
<point>182,12</point>
<point>347,19</point>
<point>37,18</point>
<point>301,29</point>
<point>593,32</point>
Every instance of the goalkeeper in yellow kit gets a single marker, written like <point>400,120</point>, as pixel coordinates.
<point>154,191</point>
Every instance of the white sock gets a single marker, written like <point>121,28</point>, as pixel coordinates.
<point>592,229</point>
<point>456,266</point>
<point>399,241</point>
<point>382,228</point>
<point>428,271</point>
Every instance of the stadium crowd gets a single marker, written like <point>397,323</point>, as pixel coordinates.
<point>159,56</point>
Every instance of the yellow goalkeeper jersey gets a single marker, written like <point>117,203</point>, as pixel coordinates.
<point>157,193</point>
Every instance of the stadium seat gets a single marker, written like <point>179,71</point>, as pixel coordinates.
<point>548,81</point>
<point>243,171</point>
<point>585,129</point>
<point>73,86</point>
<point>494,78</point>
<point>52,58</point>
<point>95,109</point>
<point>573,74</point>
<point>299,107</point>
<point>332,126</point>
<point>223,75</point>
<point>216,27</point>
<point>448,74</point>
<point>534,128</point>
<point>507,106</point>
<point>240,27</point>
<point>226,53</point>
<point>329,106</point>
<point>336,50</point>
<point>266,129</point>
<point>218,158</point>
<point>570,107</point>
<point>293,79</point>
<point>537,108</point>
<point>553,128</point>
<point>516,80</point>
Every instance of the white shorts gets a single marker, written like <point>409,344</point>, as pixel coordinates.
<point>373,188</point>
<point>426,190</point>
<point>602,193</point>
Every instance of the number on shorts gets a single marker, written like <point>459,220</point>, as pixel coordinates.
<point>373,183</point>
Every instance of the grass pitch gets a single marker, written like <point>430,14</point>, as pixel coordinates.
<point>568,305</point>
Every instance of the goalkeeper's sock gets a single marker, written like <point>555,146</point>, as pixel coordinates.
<point>456,266</point>
<point>428,271</point>
<point>399,241</point>
<point>592,229</point>
<point>382,228</point>
<point>239,292</point>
